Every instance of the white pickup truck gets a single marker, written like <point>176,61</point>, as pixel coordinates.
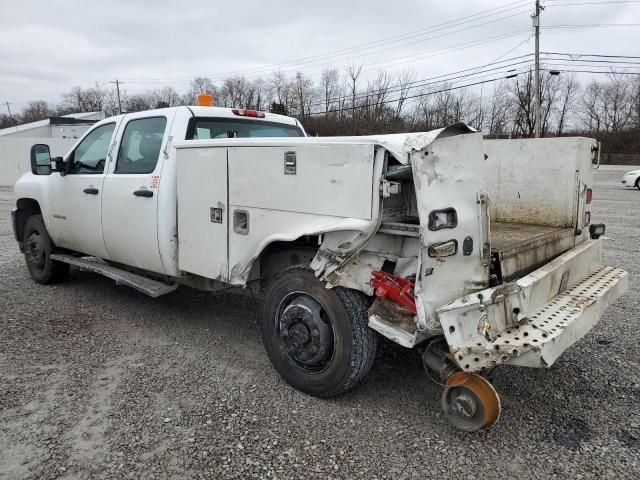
<point>477,253</point>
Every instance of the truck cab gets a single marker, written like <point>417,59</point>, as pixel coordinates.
<point>127,164</point>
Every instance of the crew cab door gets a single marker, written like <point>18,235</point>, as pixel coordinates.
<point>75,212</point>
<point>130,197</point>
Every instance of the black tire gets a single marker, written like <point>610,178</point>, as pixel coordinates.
<point>37,253</point>
<point>638,183</point>
<point>344,348</point>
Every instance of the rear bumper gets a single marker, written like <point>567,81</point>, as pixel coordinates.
<point>525,323</point>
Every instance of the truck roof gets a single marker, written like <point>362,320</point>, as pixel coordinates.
<point>223,112</point>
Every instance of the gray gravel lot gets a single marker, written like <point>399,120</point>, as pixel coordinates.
<point>99,381</point>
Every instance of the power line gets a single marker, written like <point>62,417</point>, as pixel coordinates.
<point>354,107</point>
<point>590,55</point>
<point>593,25</point>
<point>450,48</point>
<point>441,79</point>
<point>393,39</point>
<point>406,58</point>
<point>591,3</point>
<point>596,72</point>
<point>619,63</point>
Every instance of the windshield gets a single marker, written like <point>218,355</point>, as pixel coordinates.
<point>206,128</point>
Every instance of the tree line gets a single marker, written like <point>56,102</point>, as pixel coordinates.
<point>346,103</point>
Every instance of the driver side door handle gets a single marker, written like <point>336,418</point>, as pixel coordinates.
<point>91,190</point>
<point>143,193</point>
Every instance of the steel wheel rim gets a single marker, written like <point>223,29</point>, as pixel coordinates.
<point>305,332</point>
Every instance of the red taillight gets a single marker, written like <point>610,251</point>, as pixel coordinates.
<point>587,199</point>
<point>247,113</point>
<point>587,218</point>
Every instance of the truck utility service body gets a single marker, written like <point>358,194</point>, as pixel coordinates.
<point>477,252</point>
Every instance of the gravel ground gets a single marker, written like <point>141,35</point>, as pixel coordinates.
<point>98,381</point>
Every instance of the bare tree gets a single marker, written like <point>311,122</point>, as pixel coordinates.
<point>353,74</point>
<point>376,96</point>
<point>568,94</point>
<point>618,104</point>
<point>405,80</point>
<point>328,86</point>
<point>38,110</point>
<point>83,100</point>
<point>591,107</point>
<point>498,110</point>
<point>200,85</point>
<point>304,92</point>
<point>166,97</point>
<point>137,103</point>
<point>635,102</point>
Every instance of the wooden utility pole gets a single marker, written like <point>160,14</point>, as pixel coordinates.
<point>536,28</point>
<point>9,110</point>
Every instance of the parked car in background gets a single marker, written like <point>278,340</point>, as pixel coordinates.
<point>632,179</point>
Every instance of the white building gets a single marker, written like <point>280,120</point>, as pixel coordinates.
<point>68,126</point>
<point>60,133</point>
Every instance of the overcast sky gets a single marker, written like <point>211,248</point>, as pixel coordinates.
<point>47,47</point>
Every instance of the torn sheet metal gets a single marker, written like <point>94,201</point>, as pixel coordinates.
<point>448,177</point>
<point>524,314</point>
<point>395,322</point>
<point>538,340</point>
<point>356,272</point>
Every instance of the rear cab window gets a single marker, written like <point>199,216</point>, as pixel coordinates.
<point>210,128</point>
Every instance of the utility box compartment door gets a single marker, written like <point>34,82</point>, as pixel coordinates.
<point>203,212</point>
<point>335,180</point>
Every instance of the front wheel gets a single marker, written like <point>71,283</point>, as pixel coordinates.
<point>37,253</point>
<point>317,338</point>
<point>638,183</point>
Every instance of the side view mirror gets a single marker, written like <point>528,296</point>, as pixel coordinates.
<point>40,159</point>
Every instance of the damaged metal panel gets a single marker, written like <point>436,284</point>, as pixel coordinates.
<point>480,322</point>
<point>338,247</point>
<point>539,339</point>
<point>268,226</point>
<point>356,272</point>
<point>448,175</point>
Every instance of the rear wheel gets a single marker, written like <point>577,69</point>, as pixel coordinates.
<point>317,338</point>
<point>638,183</point>
<point>37,253</point>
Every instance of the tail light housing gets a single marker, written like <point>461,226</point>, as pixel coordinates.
<point>588,195</point>
<point>243,112</point>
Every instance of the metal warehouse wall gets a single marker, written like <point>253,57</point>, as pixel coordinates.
<point>14,155</point>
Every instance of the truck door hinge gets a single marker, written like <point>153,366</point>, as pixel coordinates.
<point>388,188</point>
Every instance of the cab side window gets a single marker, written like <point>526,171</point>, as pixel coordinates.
<point>91,154</point>
<point>140,145</point>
